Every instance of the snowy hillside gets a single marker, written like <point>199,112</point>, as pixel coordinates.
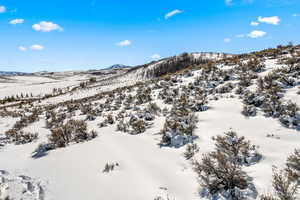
<point>196,126</point>
<point>173,64</point>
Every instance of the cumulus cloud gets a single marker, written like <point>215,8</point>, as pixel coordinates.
<point>124,43</point>
<point>36,47</point>
<point>172,13</point>
<point>44,26</point>
<point>156,56</point>
<point>254,23</point>
<point>2,9</point>
<point>22,48</point>
<point>269,20</point>
<point>256,34</point>
<point>227,40</point>
<point>16,21</point>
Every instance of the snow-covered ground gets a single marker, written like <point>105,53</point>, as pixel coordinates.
<point>36,85</point>
<point>143,169</point>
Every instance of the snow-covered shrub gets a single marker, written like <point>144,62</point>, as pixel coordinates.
<point>122,126</point>
<point>25,120</point>
<point>272,106</point>
<point>188,74</point>
<point>153,108</point>
<point>287,81</point>
<point>148,116</point>
<point>20,137</point>
<point>269,84</point>
<point>249,110</point>
<point>54,119</point>
<point>108,119</point>
<point>237,149</point>
<point>268,99</point>
<point>290,116</point>
<point>90,117</point>
<point>161,198</point>
<point>251,98</point>
<point>284,186</point>
<point>143,95</point>
<point>71,107</point>
<point>137,126</point>
<point>225,88</point>
<point>178,130</point>
<point>120,115</point>
<point>72,131</point>
<point>293,164</point>
<point>165,111</point>
<point>255,65</point>
<point>6,113</point>
<point>145,114</point>
<point>198,105</point>
<point>221,178</point>
<point>109,167</point>
<point>86,109</point>
<point>168,94</point>
<point>239,90</point>
<point>268,197</point>
<point>191,150</point>
<point>245,75</point>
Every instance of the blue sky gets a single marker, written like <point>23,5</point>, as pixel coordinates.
<point>58,35</point>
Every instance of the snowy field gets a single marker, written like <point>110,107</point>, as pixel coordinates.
<point>142,167</point>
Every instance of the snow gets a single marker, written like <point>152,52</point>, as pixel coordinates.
<point>145,170</point>
<point>225,115</point>
<point>214,56</point>
<point>36,85</point>
<point>76,172</point>
<point>291,94</point>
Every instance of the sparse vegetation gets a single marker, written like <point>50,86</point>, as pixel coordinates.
<point>166,101</point>
<point>71,131</point>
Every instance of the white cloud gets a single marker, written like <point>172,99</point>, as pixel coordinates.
<point>295,15</point>
<point>256,34</point>
<point>269,20</point>
<point>16,21</point>
<point>156,56</point>
<point>44,26</point>
<point>36,47</point>
<point>124,43</point>
<point>2,9</point>
<point>227,40</point>
<point>254,23</point>
<point>228,2</point>
<point>172,13</point>
<point>22,48</point>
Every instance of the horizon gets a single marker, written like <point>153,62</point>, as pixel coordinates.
<point>59,36</point>
<point>132,66</point>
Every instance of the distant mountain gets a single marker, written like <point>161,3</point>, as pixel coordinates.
<point>7,73</point>
<point>118,66</point>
